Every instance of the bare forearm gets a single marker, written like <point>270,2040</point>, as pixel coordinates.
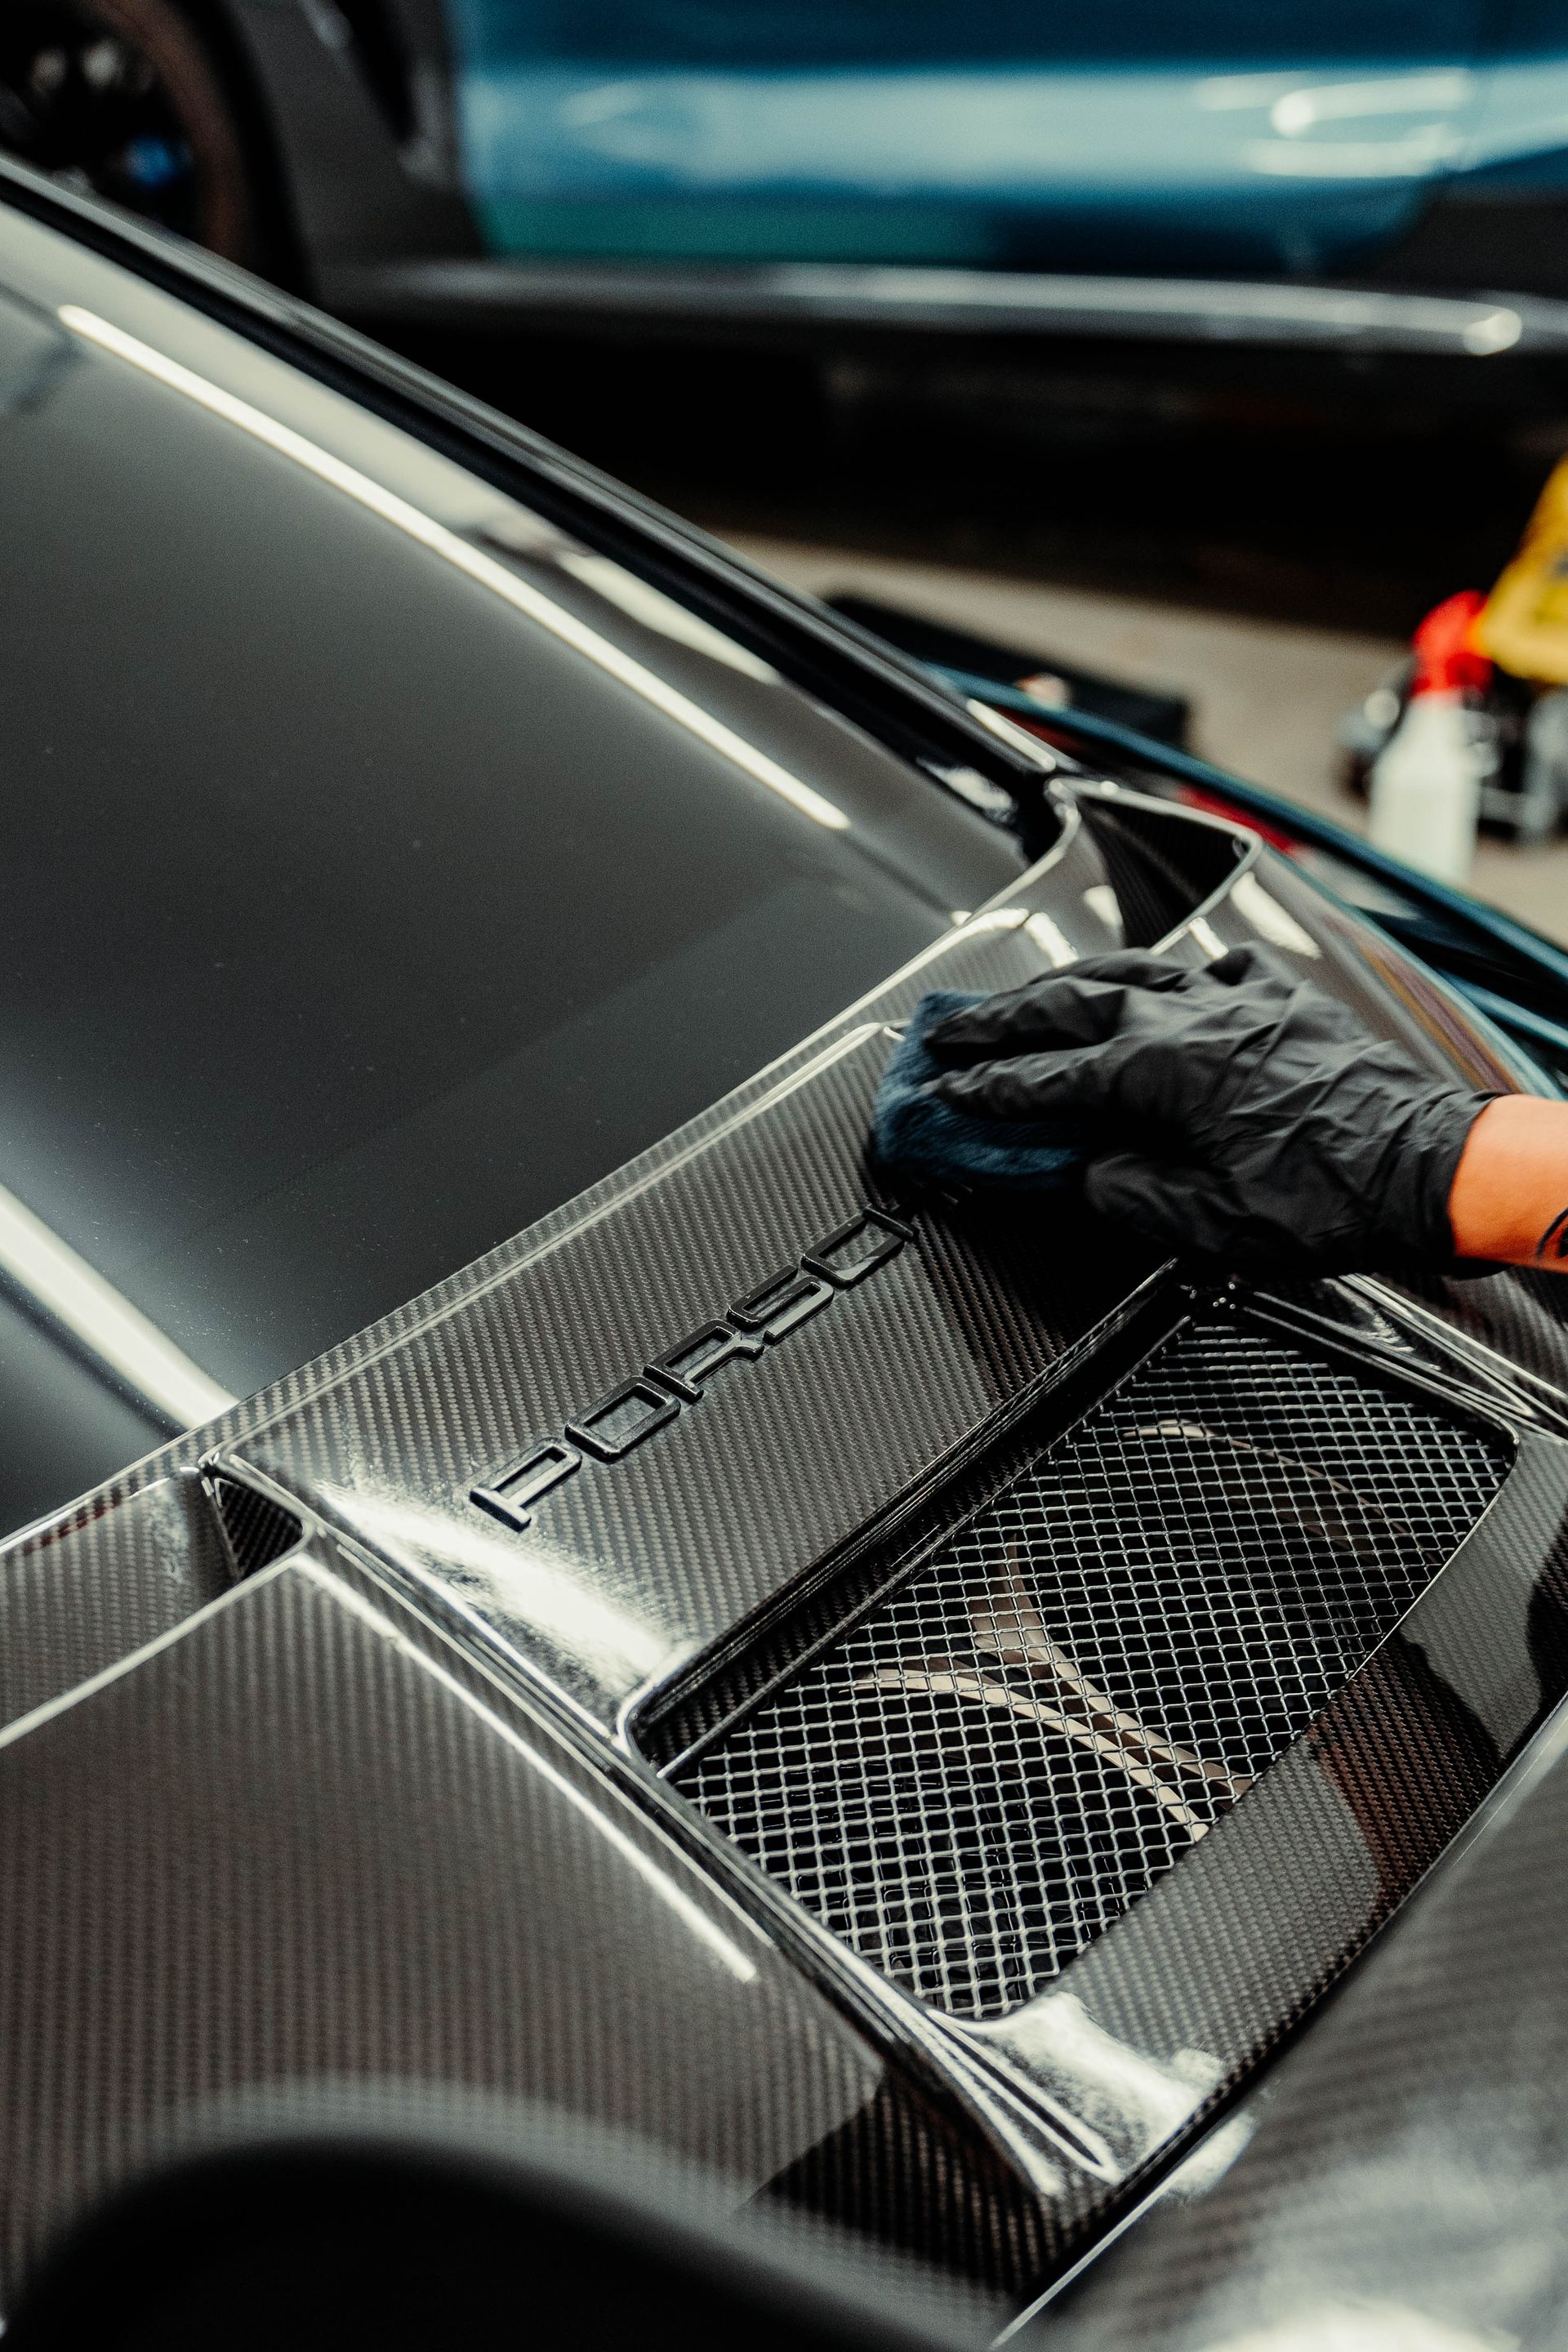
<point>1509,1196</point>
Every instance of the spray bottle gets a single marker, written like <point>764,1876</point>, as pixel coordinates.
<point>1426,783</point>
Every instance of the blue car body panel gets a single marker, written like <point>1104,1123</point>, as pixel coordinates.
<point>1136,135</point>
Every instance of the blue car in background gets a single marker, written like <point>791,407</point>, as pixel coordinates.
<point>1352,171</point>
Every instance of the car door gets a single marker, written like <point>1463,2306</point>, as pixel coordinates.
<point>1142,134</point>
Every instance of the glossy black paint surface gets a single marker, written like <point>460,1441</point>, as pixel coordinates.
<point>350,918</point>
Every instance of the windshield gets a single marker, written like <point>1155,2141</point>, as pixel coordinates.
<point>381,866</point>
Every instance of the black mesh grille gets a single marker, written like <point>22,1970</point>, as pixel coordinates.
<point>257,1531</point>
<point>996,1761</point>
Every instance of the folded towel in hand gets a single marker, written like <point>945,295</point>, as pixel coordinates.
<point>912,1130</point>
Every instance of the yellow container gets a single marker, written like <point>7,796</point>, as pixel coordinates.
<point>1523,624</point>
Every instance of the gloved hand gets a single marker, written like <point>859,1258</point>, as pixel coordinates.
<point>1231,1112</point>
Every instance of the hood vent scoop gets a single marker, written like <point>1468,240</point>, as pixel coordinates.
<point>1162,867</point>
<point>973,1778</point>
<point>256,1530</point>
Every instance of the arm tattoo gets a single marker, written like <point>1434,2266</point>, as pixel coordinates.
<point>1553,1242</point>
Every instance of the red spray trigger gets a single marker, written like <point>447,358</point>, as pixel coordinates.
<point>1446,661</point>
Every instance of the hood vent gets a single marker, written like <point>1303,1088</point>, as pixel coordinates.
<point>1162,867</point>
<point>256,1530</point>
<point>994,1762</point>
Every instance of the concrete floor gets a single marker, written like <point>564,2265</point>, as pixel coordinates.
<point>1267,696</point>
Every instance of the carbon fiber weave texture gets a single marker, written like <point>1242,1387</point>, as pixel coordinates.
<point>1406,2166</point>
<point>1217,1959</point>
<point>1520,1314</point>
<point>122,1567</point>
<point>131,1571</point>
<point>783,1460</point>
<point>1212,1552</point>
<point>1223,1955</point>
<point>305,1842</point>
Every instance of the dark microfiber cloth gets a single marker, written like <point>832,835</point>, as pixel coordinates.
<point>912,1130</point>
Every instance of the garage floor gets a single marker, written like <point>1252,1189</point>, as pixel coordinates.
<point>1266,695</point>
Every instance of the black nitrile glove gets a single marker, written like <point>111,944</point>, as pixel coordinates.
<point>1233,1111</point>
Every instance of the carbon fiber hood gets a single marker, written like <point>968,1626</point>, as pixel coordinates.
<point>1400,2178</point>
<point>362,1777</point>
<point>622,1528</point>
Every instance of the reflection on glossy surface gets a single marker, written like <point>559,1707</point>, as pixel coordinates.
<point>1131,2100</point>
<point>452,549</point>
<point>966,148</point>
<point>372,885</point>
<point>1391,127</point>
<point>68,1422</point>
<point>1002,138</point>
<point>509,1581</point>
<point>641,1559</point>
<point>34,354</point>
<point>1232,1946</point>
<point>1270,920</point>
<point>1394,994</point>
<point>710,1518</point>
<point>64,1285</point>
<point>1404,2184</point>
<point>1336,2326</point>
<point>303,1845</point>
<point>409,938</point>
<point>1052,941</point>
<point>635,1852</point>
<point>701,1529</point>
<point>656,611</point>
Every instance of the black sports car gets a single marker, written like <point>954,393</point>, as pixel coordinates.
<point>541,1579</point>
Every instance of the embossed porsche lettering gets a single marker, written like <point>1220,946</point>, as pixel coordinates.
<point>671,1383</point>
